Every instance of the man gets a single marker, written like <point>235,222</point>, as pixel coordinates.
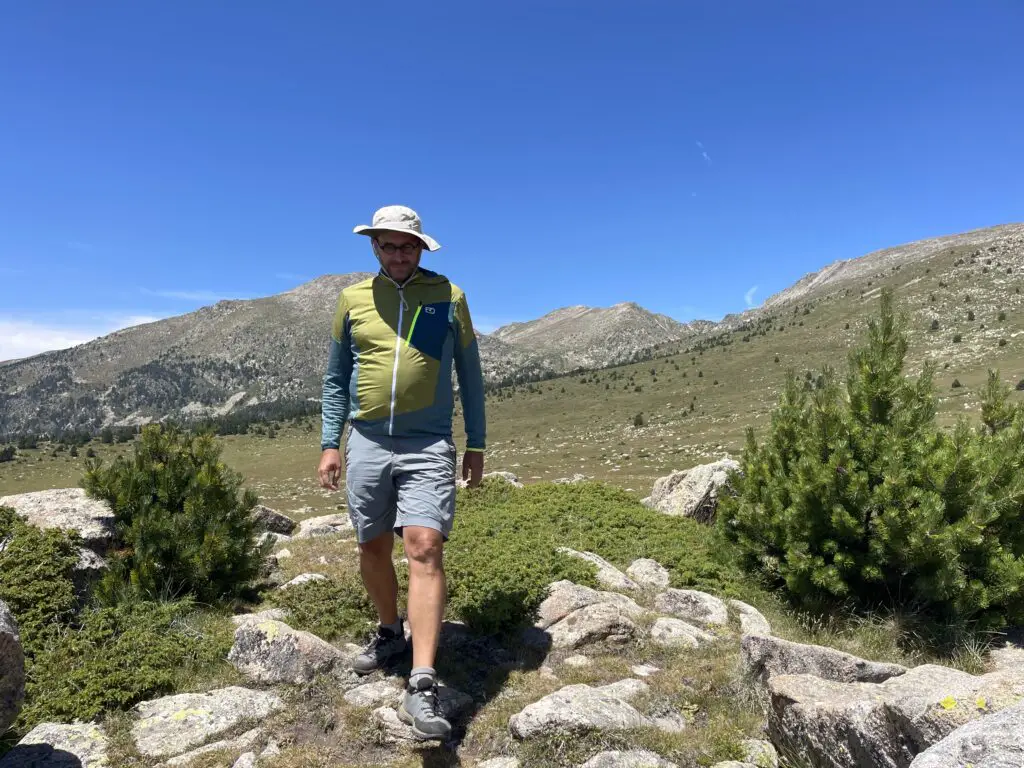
<point>389,374</point>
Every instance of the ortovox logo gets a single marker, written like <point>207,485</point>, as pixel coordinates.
<point>429,310</point>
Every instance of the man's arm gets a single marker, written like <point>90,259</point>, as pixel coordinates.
<point>335,399</point>
<point>471,391</point>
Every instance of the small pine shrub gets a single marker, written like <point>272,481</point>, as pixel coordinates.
<point>638,420</point>
<point>7,453</point>
<point>776,358</point>
<point>1002,315</point>
<point>970,315</point>
<point>956,384</point>
<point>957,338</point>
<point>184,526</point>
<point>934,325</point>
<point>1002,342</point>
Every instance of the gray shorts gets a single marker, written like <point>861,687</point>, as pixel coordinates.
<point>393,482</point>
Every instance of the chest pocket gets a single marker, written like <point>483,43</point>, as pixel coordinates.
<point>430,329</point>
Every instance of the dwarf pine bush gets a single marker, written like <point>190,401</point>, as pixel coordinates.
<point>856,495</point>
<point>183,525</point>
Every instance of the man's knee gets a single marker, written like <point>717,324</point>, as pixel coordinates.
<point>423,546</point>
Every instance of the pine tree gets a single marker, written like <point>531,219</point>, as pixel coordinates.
<point>857,496</point>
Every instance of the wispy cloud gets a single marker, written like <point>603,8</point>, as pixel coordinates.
<point>24,337</point>
<point>704,152</point>
<point>199,295</point>
<point>749,296</point>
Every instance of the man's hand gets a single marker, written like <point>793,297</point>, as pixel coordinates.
<point>330,468</point>
<point>472,467</point>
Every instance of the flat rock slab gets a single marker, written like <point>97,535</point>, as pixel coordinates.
<point>676,633</point>
<point>302,578</point>
<point>376,694</point>
<point>12,668</point>
<point>765,657</point>
<point>270,614</point>
<point>633,758</point>
<point>604,623</point>
<point>607,574</point>
<point>324,525</point>
<point>752,621</point>
<point>272,521</point>
<point>581,708</point>
<point>246,741</point>
<point>995,741</point>
<point>691,605</point>
<point>55,745</point>
<point>565,597</point>
<point>648,573</point>
<point>272,652</point>
<point>172,725</point>
<point>69,509</point>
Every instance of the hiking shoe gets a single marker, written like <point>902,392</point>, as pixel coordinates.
<point>420,709</point>
<point>385,647</point>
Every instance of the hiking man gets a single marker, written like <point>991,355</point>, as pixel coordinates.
<point>389,374</point>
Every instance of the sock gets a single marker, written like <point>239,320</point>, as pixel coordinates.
<point>395,628</point>
<point>420,676</point>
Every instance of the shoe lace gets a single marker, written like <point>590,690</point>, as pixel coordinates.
<point>432,701</point>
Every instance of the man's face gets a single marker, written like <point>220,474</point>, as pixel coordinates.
<point>405,256</point>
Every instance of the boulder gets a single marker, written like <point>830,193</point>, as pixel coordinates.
<point>172,725</point>
<point>995,741</point>
<point>374,694</point>
<point>634,758</point>
<point>693,492</point>
<point>283,554</point>
<point>272,652</point>
<point>272,521</point>
<point>694,606</point>
<point>508,477</point>
<point>759,753</point>
<point>564,597</point>
<point>764,657</point>
<point>55,745</point>
<point>302,578</point>
<point>89,568</point>
<point>452,703</point>
<point>247,760</point>
<point>580,708</point>
<point>12,668</point>
<point>885,724</point>
<point>271,614</point>
<point>243,742</point>
<point>605,623</point>
<point>752,621</point>
<point>324,525</point>
<point>69,509</point>
<point>676,633</point>
<point>607,574</point>
<point>648,573</point>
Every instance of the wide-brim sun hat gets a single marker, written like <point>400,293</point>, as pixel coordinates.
<point>397,218</point>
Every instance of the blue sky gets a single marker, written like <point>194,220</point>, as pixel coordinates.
<point>694,157</point>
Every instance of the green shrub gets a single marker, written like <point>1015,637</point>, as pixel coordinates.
<point>329,608</point>
<point>183,526</point>
<point>857,495</point>
<point>35,578</point>
<point>117,657</point>
<point>7,453</point>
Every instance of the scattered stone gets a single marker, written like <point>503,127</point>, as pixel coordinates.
<point>578,661</point>
<point>676,633</point>
<point>648,573</point>
<point>765,657</point>
<point>752,621</point>
<point>691,605</point>
<point>598,623</point>
<point>272,652</point>
<point>69,509</point>
<point>55,745</point>
<point>302,578</point>
<point>760,753</point>
<point>324,525</point>
<point>694,492</point>
<point>453,705</point>
<point>172,725</point>
<point>374,694</point>
<point>577,478</point>
<point>272,521</point>
<point>248,760</point>
<point>243,742</point>
<point>283,554</point>
<point>564,597</point>
<point>500,762</point>
<point>508,477</point>
<point>12,668</point>
<point>271,750</point>
<point>576,709</point>
<point>670,722</point>
<point>607,574</point>
<point>634,758</point>
<point>995,741</point>
<point>644,670</point>
<point>275,538</point>
<point>271,614</point>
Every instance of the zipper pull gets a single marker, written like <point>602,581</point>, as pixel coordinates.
<point>401,295</point>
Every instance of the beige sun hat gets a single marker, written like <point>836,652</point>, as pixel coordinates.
<point>397,218</point>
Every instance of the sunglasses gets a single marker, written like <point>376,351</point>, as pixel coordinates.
<point>391,249</point>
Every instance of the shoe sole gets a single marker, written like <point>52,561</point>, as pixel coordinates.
<point>408,719</point>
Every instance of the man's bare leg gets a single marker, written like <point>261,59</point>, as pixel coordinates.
<point>378,572</point>
<point>427,591</point>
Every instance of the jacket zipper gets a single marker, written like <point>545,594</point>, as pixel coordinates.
<point>398,347</point>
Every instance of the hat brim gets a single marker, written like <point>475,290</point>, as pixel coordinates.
<point>430,243</point>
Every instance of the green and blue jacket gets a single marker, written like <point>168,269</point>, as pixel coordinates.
<point>389,370</point>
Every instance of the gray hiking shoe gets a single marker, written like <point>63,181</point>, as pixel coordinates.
<point>385,647</point>
<point>420,709</point>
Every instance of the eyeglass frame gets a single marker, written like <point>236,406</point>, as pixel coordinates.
<point>407,249</point>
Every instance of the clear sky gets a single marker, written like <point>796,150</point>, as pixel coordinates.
<point>694,157</point>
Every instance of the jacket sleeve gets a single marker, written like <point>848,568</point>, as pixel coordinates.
<point>471,380</point>
<point>335,399</point>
